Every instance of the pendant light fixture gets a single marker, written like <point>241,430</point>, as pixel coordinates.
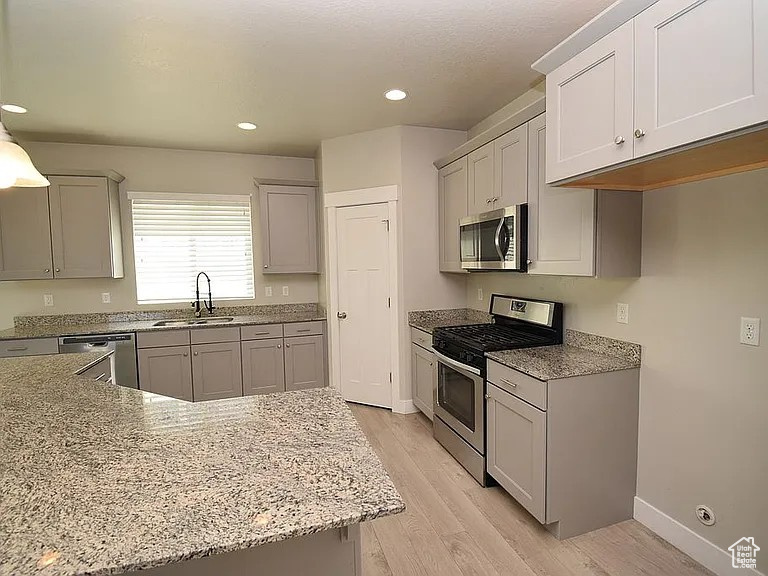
<point>16,168</point>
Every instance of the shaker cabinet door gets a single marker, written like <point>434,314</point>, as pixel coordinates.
<point>701,69</point>
<point>81,227</point>
<point>590,109</point>
<point>517,449</point>
<point>561,221</point>
<point>216,371</point>
<point>481,173</point>
<point>511,168</point>
<point>25,234</point>
<point>453,205</point>
<point>263,366</point>
<point>288,229</point>
<point>304,362</point>
<point>166,371</point>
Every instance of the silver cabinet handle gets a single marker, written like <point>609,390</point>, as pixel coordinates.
<point>509,382</point>
<point>639,133</point>
<point>18,349</point>
<point>305,330</point>
<point>101,376</point>
<point>341,315</point>
<point>618,140</point>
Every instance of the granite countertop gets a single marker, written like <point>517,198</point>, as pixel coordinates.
<point>428,320</point>
<point>76,329</point>
<point>101,479</point>
<point>582,354</point>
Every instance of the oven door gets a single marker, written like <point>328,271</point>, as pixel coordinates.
<point>459,400</point>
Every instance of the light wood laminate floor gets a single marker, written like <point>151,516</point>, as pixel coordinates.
<point>454,527</point>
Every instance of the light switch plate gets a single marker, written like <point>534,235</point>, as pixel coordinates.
<point>285,290</point>
<point>268,291</point>
<point>106,298</point>
<point>48,300</point>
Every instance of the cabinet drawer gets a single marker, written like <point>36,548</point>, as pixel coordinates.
<point>529,389</point>
<point>261,332</point>
<point>31,347</point>
<point>214,335</point>
<point>162,338</point>
<point>423,339</point>
<point>101,371</point>
<point>303,329</point>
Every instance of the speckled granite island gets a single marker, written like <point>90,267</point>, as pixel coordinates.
<point>101,479</point>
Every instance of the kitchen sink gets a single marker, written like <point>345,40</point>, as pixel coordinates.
<point>195,321</point>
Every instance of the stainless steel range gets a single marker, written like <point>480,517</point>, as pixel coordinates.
<point>460,351</point>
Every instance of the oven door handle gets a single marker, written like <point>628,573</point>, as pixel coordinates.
<point>457,365</point>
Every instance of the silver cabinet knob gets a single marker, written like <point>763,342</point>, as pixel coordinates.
<point>618,140</point>
<point>185,354</point>
<point>287,345</point>
<point>529,262</point>
<point>266,265</point>
<point>58,269</point>
<point>639,133</point>
<point>488,200</point>
<point>487,396</point>
<point>279,346</point>
<point>341,315</point>
<point>195,353</point>
<point>47,270</point>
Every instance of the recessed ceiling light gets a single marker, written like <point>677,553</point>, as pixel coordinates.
<point>395,94</point>
<point>247,126</point>
<point>14,109</point>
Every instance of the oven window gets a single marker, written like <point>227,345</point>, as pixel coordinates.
<point>456,395</point>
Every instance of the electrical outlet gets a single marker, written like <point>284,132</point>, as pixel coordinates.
<point>268,291</point>
<point>750,331</point>
<point>480,294</point>
<point>285,290</point>
<point>48,300</point>
<point>622,313</point>
<point>106,298</point>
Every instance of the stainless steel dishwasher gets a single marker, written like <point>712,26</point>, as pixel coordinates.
<point>124,367</point>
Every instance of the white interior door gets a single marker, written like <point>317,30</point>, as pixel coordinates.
<point>362,239</point>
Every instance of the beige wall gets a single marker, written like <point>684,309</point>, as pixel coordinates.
<point>403,156</point>
<point>154,170</point>
<point>704,397</point>
<point>525,99</point>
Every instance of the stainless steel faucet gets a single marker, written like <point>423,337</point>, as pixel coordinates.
<point>208,304</point>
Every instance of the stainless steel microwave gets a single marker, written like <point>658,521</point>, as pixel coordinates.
<point>496,240</point>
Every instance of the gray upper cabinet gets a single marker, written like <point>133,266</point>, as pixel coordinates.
<point>510,181</point>
<point>453,205</point>
<point>216,371</point>
<point>481,172</point>
<point>166,371</point>
<point>85,227</point>
<point>288,229</point>
<point>263,366</point>
<point>25,234</point>
<point>304,362</point>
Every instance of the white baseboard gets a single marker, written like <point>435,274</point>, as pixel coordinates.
<point>404,407</point>
<point>697,547</point>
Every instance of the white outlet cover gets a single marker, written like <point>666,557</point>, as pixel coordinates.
<point>268,291</point>
<point>106,297</point>
<point>750,331</point>
<point>622,313</point>
<point>285,290</point>
<point>48,300</point>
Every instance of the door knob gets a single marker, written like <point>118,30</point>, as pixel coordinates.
<point>618,140</point>
<point>341,315</point>
<point>639,133</point>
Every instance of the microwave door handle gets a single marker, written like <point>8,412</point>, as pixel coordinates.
<point>497,239</point>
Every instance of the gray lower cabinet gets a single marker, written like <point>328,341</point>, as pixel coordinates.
<point>517,448</point>
<point>565,449</point>
<point>304,362</point>
<point>216,371</point>
<point>263,366</point>
<point>423,378</point>
<point>166,371</point>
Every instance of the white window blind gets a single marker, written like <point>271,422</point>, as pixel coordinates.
<point>175,236</point>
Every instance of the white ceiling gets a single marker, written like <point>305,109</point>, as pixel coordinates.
<point>182,73</point>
